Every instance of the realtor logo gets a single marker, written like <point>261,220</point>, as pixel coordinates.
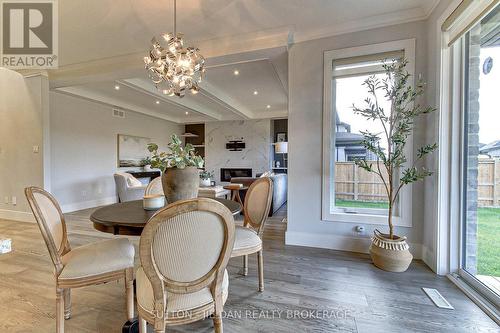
<point>29,34</point>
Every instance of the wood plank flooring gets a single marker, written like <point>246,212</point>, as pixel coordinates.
<point>306,290</point>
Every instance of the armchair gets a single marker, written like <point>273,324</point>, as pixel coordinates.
<point>128,187</point>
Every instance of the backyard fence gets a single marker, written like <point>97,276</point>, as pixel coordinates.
<point>488,182</point>
<point>354,183</point>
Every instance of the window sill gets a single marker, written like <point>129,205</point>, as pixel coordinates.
<point>360,218</point>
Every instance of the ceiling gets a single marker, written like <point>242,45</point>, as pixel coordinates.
<point>101,44</point>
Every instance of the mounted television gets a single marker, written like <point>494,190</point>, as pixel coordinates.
<point>235,145</point>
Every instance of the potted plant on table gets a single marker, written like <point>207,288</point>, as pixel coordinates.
<point>146,164</point>
<point>206,178</point>
<point>180,174</point>
<point>389,251</point>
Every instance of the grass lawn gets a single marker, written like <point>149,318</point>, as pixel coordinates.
<point>361,204</point>
<point>488,240</point>
<point>488,235</point>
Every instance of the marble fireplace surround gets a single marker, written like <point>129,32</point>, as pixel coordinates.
<point>257,152</point>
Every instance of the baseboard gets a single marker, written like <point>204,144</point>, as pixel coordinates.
<point>68,208</point>
<point>342,243</point>
<point>16,215</point>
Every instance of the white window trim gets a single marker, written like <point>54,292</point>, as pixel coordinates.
<point>405,198</point>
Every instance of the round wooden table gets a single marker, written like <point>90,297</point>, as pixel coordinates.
<point>129,218</point>
<point>235,191</point>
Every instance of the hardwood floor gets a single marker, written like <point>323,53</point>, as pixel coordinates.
<point>306,290</point>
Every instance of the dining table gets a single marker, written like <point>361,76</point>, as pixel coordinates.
<point>129,218</point>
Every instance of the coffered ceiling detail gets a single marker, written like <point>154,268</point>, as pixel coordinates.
<point>102,45</point>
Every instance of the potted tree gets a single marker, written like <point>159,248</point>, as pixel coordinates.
<point>180,174</point>
<point>389,251</point>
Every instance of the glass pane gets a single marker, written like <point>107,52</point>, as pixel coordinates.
<point>355,187</point>
<point>482,153</point>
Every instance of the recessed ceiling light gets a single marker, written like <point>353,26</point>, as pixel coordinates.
<point>268,106</point>
<point>255,92</point>
<point>117,87</point>
<point>157,102</point>
<point>236,72</point>
<point>187,113</point>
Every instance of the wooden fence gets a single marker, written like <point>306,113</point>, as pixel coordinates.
<point>488,182</point>
<point>354,183</point>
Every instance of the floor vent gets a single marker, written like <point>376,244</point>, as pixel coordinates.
<point>118,113</point>
<point>437,298</point>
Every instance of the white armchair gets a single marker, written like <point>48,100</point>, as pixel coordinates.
<point>128,187</point>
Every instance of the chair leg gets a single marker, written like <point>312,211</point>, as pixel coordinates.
<point>260,263</point>
<point>129,291</point>
<point>217,323</point>
<point>245,265</point>
<point>143,325</point>
<point>59,310</point>
<point>67,303</point>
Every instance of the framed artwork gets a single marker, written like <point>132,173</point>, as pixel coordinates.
<point>281,137</point>
<point>132,150</point>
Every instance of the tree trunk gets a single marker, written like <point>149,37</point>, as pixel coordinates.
<point>391,227</point>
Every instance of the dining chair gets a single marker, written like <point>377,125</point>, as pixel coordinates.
<point>248,238</point>
<point>91,264</point>
<point>154,187</point>
<point>184,250</point>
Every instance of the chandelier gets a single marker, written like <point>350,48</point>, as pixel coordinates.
<point>172,67</point>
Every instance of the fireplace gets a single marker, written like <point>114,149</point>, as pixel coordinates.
<point>227,173</point>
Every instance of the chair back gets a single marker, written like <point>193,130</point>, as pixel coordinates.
<point>51,222</point>
<point>185,247</point>
<point>154,187</point>
<point>258,203</point>
<point>126,180</point>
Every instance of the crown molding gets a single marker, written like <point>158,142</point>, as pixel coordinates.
<point>84,94</point>
<point>368,23</point>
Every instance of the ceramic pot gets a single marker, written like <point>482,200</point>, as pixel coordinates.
<point>180,184</point>
<point>391,255</point>
<point>205,182</point>
<point>147,167</point>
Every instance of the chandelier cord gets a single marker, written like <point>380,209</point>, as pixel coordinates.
<point>175,17</point>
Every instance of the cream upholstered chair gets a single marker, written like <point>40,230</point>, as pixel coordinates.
<point>86,265</point>
<point>184,250</point>
<point>248,239</point>
<point>154,187</point>
<point>128,187</point>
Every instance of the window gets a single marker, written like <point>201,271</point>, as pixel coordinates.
<point>481,154</point>
<point>468,205</point>
<point>351,194</point>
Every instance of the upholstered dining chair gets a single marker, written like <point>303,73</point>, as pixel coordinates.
<point>184,250</point>
<point>248,238</point>
<point>154,187</point>
<point>91,264</point>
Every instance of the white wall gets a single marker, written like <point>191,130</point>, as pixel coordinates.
<point>256,155</point>
<point>83,137</point>
<point>22,112</point>
<point>305,226</point>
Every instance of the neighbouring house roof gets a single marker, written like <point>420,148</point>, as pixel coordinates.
<point>347,138</point>
<point>495,145</point>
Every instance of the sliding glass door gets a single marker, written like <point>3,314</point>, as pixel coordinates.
<point>481,157</point>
